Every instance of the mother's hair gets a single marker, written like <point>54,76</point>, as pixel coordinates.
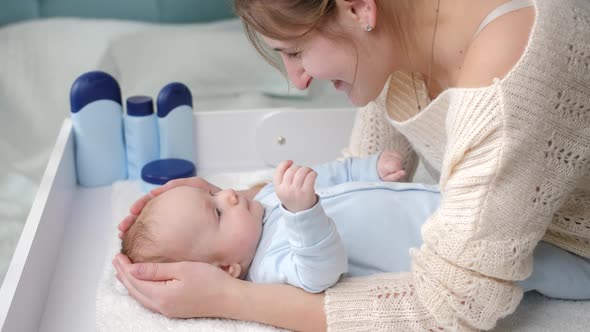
<point>294,19</point>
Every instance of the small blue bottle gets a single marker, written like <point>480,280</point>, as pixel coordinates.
<point>97,121</point>
<point>158,172</point>
<point>176,122</point>
<point>141,134</point>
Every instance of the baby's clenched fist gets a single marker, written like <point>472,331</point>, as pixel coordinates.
<point>389,166</point>
<point>294,186</point>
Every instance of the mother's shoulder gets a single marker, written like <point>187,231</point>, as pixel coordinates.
<point>497,49</point>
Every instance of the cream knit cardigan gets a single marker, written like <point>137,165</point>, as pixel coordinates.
<point>513,161</point>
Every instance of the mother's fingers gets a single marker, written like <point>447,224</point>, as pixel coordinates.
<point>126,223</point>
<point>150,279</point>
<point>150,271</point>
<point>124,277</point>
<point>136,208</point>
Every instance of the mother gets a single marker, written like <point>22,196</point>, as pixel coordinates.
<point>494,98</point>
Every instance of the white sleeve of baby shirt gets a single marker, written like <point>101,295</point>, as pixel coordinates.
<point>317,256</point>
<point>347,170</point>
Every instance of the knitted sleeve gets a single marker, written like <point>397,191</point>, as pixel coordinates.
<point>494,210</point>
<point>372,133</point>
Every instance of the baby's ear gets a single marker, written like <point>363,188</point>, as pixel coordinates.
<point>233,270</point>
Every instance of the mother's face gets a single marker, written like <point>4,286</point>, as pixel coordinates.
<point>352,62</point>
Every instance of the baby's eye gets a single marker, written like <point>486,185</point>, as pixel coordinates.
<point>218,213</point>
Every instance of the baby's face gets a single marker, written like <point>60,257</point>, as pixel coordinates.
<point>221,229</point>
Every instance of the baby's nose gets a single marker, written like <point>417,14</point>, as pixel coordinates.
<point>231,196</point>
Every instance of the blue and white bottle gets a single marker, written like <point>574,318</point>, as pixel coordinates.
<point>141,134</point>
<point>97,120</point>
<point>176,122</point>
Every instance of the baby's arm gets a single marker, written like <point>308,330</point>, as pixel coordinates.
<point>385,166</point>
<point>317,257</point>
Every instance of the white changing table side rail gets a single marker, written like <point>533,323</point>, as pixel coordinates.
<point>27,283</point>
<point>229,141</point>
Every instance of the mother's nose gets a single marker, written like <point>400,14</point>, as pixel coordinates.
<point>297,75</point>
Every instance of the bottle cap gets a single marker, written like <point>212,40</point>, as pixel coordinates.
<point>160,171</point>
<point>140,106</point>
<point>93,86</point>
<point>171,96</point>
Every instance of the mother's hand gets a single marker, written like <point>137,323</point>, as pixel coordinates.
<point>190,289</point>
<point>179,290</point>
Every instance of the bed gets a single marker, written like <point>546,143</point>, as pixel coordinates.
<point>238,121</point>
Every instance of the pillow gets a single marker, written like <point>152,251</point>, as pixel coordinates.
<point>213,59</point>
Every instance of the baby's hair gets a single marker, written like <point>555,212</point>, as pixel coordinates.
<point>138,239</point>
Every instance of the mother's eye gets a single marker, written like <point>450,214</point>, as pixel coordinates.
<point>293,54</point>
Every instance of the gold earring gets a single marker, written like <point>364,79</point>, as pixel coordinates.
<point>369,28</point>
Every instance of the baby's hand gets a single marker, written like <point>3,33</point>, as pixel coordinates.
<point>389,166</point>
<point>294,186</point>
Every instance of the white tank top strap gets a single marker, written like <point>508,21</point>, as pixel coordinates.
<point>503,9</point>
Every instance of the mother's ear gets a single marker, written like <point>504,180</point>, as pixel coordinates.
<point>362,12</point>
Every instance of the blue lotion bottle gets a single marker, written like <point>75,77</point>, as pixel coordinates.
<point>176,122</point>
<point>141,135</point>
<point>97,120</point>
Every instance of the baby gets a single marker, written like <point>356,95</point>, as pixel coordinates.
<point>312,226</point>
<point>306,229</point>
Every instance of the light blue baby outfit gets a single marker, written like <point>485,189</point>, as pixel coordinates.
<point>362,226</point>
